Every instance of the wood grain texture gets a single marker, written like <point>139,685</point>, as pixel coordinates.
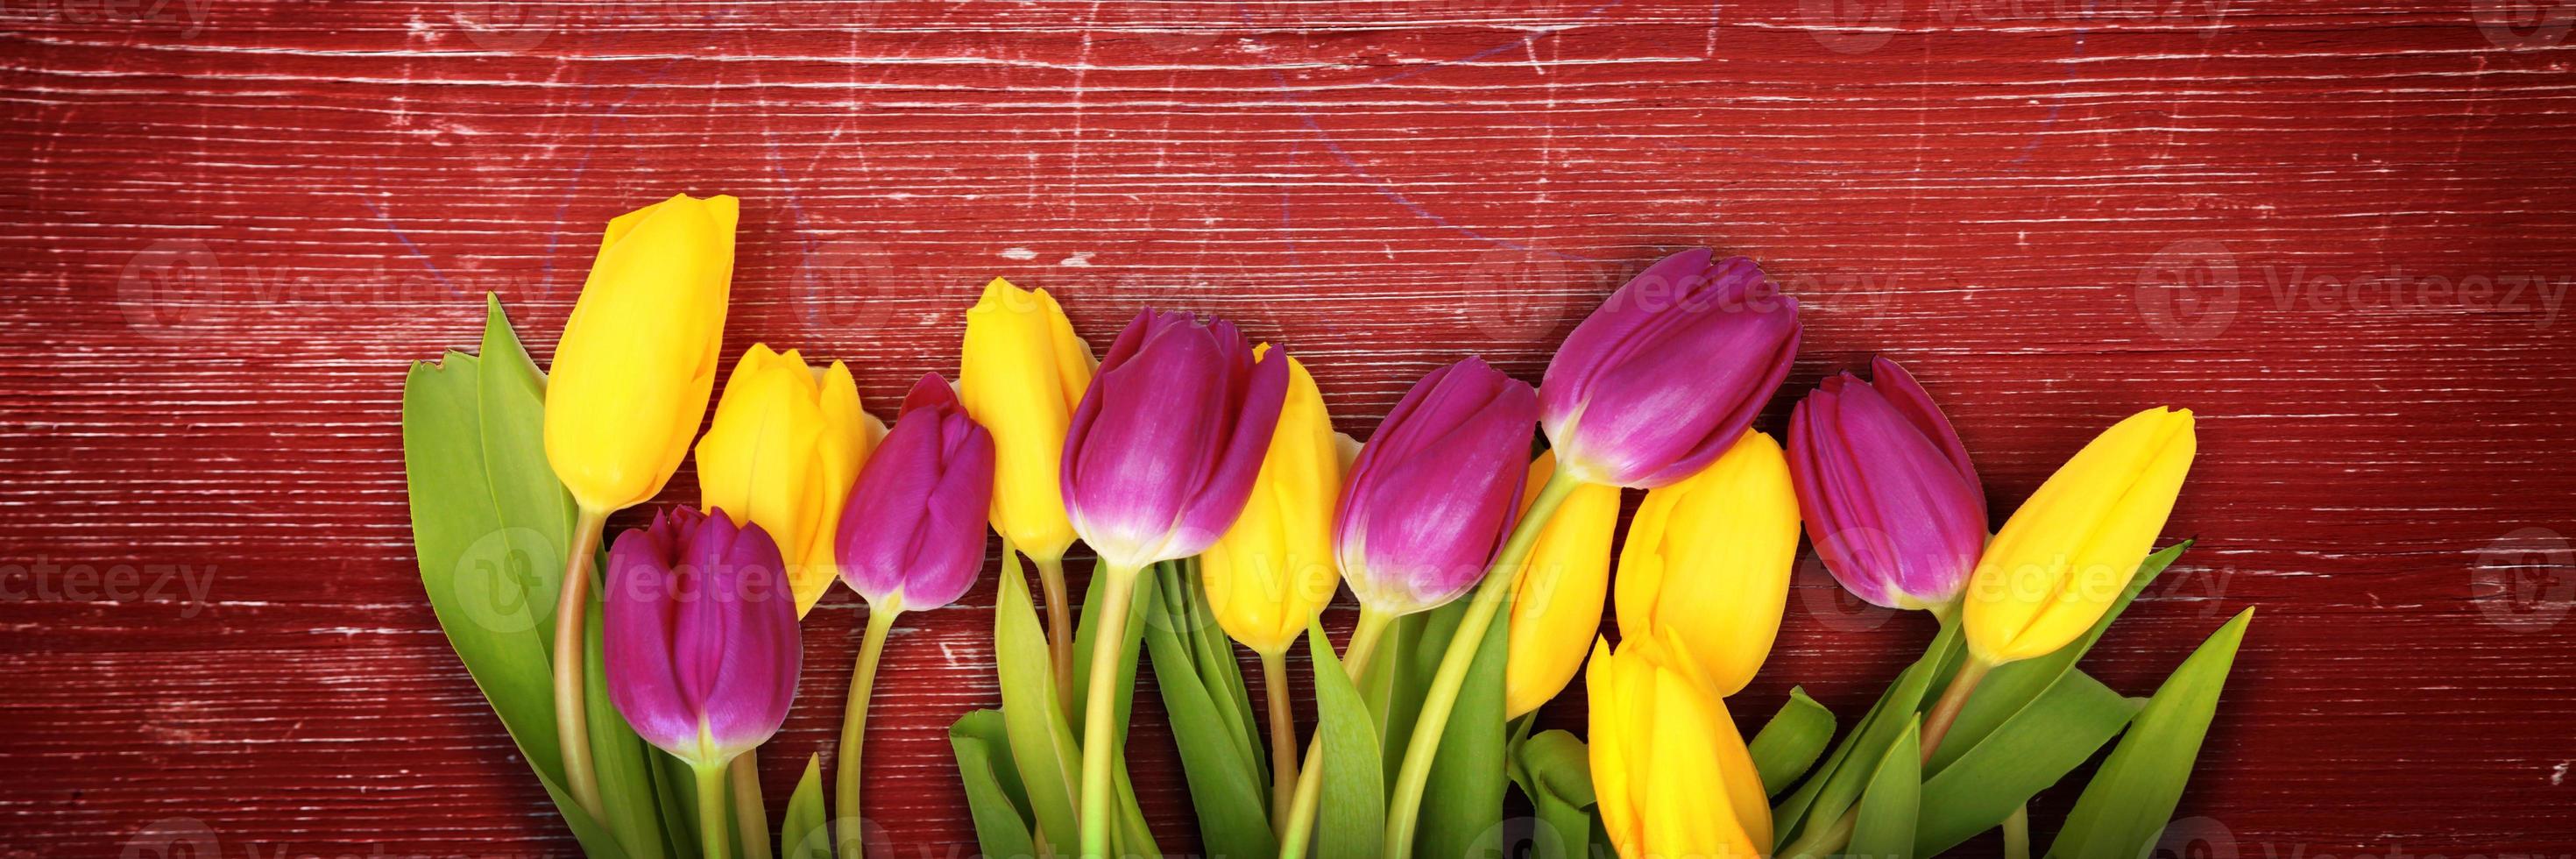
<point>2338,230</point>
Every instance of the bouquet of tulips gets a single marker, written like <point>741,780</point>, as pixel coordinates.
<point>1204,475</point>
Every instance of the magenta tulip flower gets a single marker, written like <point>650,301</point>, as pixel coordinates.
<point>1668,372</point>
<point>1163,449</point>
<point>1435,491</point>
<point>1886,489</point>
<point>912,536</point>
<point>698,632</point>
<point>1158,461</point>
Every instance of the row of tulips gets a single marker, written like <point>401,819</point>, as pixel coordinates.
<point>1200,467</point>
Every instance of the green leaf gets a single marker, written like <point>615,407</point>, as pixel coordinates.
<point>1350,813</point>
<point>1462,805</point>
<point>623,761</point>
<point>1226,784</point>
<point>2013,686</point>
<point>1001,822</point>
<point>1042,746</point>
<point>2039,746</point>
<point>1791,742</point>
<point>1885,829</point>
<point>2128,803</point>
<point>1825,797</point>
<point>490,525</point>
<point>1218,669</point>
<point>1555,770</point>
<point>806,831</point>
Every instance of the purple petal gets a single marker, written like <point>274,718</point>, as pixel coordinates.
<point>1220,498</point>
<point>1909,398</point>
<point>746,593</point>
<point>636,634</point>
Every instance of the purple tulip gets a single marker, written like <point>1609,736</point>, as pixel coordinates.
<point>912,536</point>
<point>1435,491</point>
<point>1163,449</point>
<point>1668,372</point>
<point>698,631</point>
<point>1887,491</point>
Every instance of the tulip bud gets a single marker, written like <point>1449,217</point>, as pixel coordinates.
<point>1161,454</point>
<point>631,376</point>
<point>785,447</point>
<point>913,535</point>
<point>698,634</point>
<point>1557,609</point>
<point>2070,550</point>
<point>1271,572</point>
<point>1669,769</point>
<point>1021,375</point>
<point>1707,561</point>
<point>1887,491</point>
<point>1669,371</point>
<point>1434,492</point>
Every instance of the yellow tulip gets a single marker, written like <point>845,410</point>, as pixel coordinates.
<point>1707,562</point>
<point>1022,372</point>
<point>786,445</point>
<point>1273,570</point>
<point>638,357</point>
<point>1557,609</point>
<point>1669,769</point>
<point>2071,549</point>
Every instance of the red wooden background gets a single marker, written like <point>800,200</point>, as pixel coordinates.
<point>2339,230</point>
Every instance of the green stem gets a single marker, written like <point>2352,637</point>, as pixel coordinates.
<point>848,832</point>
<point>747,806</point>
<point>1059,623</point>
<point>2017,833</point>
<point>1300,827</point>
<point>1283,736</point>
<point>711,811</point>
<point>572,721</point>
<point>1099,721</point>
<point>1404,807</point>
<point>1953,699</point>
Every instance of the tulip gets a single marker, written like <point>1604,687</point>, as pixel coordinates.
<point>2069,551</point>
<point>1671,773</point>
<point>912,538</point>
<point>785,447</point>
<point>1158,461</point>
<point>698,636</point>
<point>1668,372</point>
<point>1887,491</point>
<point>1270,574</point>
<point>1436,489</point>
<point>1021,375</point>
<point>1707,561</point>
<point>630,382</point>
<point>1557,608</point>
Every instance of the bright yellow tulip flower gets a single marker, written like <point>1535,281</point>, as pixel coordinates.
<point>785,447</point>
<point>628,386</point>
<point>1556,611</point>
<point>1021,373</point>
<point>631,376</point>
<point>1273,570</point>
<point>1669,769</point>
<point>1707,562</point>
<point>2071,549</point>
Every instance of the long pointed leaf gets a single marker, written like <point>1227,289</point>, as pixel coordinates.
<point>1888,808</point>
<point>1225,785</point>
<point>1350,816</point>
<point>2128,803</point>
<point>805,832</point>
<point>1791,742</point>
<point>2028,754</point>
<point>1043,748</point>
<point>1462,805</point>
<point>1001,824</point>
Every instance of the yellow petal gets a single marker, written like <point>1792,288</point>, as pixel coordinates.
<point>2071,549</point>
<point>1273,569</point>
<point>1708,560</point>
<point>631,375</point>
<point>1557,608</point>
<point>1021,373</point>
<point>785,446</point>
